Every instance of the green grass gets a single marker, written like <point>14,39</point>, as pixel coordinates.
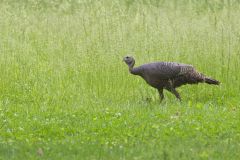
<point>66,94</point>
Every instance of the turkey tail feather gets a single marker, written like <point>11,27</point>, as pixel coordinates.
<point>211,81</point>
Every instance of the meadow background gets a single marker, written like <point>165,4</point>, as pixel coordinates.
<point>66,94</point>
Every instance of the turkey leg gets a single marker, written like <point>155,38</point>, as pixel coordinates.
<point>161,95</point>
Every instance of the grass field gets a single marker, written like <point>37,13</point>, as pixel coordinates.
<point>66,94</point>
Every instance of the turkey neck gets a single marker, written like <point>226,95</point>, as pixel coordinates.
<point>132,70</point>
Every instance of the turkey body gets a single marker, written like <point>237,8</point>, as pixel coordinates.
<point>160,74</point>
<point>168,75</point>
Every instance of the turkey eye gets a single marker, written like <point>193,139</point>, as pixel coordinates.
<point>127,57</point>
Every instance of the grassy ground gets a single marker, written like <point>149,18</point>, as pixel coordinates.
<point>66,94</point>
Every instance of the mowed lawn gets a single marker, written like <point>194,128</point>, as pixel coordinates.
<point>66,94</point>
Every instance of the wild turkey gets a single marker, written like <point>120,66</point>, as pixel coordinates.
<point>168,75</point>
